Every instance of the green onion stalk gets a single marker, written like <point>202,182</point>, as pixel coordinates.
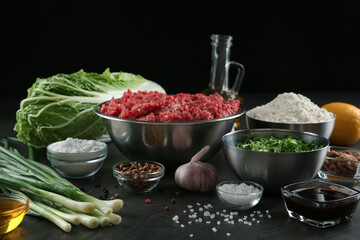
<point>51,196</point>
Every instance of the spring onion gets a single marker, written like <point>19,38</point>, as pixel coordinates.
<point>51,196</point>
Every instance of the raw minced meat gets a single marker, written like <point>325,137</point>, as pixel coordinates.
<point>160,107</point>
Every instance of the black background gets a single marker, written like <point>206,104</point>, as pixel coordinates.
<point>284,45</point>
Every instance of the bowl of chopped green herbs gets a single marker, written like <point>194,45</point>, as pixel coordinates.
<point>274,157</point>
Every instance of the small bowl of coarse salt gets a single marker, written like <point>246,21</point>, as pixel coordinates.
<point>77,158</point>
<point>239,195</point>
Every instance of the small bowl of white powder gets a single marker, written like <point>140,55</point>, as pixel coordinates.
<point>77,158</point>
<point>239,195</point>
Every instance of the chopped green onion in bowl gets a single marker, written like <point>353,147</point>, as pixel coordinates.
<point>277,145</point>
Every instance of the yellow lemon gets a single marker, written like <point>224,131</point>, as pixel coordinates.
<point>347,124</point>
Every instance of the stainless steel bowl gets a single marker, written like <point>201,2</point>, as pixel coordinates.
<point>273,170</point>
<point>322,128</point>
<point>172,143</point>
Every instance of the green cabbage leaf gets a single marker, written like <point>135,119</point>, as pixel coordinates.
<point>61,106</point>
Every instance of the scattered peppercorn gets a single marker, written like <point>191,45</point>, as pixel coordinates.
<point>173,200</point>
<point>147,201</point>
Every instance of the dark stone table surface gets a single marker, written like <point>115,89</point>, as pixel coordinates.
<point>152,221</point>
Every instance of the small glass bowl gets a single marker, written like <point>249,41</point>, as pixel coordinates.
<point>13,208</point>
<point>239,201</point>
<point>341,170</point>
<point>141,184</point>
<point>77,165</point>
<point>76,157</point>
<point>77,169</point>
<point>320,203</point>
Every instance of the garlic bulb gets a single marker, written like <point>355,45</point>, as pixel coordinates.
<point>197,176</point>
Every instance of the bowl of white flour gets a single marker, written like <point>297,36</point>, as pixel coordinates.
<point>292,111</point>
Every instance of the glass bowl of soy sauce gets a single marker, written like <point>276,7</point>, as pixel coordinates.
<point>320,203</point>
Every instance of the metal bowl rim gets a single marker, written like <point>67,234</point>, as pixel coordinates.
<point>269,130</point>
<point>296,124</point>
<point>97,111</point>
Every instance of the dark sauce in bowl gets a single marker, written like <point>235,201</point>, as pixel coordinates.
<point>321,203</point>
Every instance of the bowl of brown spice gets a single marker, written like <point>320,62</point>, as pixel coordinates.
<point>341,164</point>
<point>138,176</point>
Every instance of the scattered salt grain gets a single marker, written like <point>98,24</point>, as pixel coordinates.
<point>228,234</point>
<point>221,216</point>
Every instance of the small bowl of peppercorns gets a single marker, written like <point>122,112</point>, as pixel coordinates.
<point>138,176</point>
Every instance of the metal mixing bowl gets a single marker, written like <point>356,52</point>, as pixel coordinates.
<point>273,170</point>
<point>322,128</point>
<point>171,143</point>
